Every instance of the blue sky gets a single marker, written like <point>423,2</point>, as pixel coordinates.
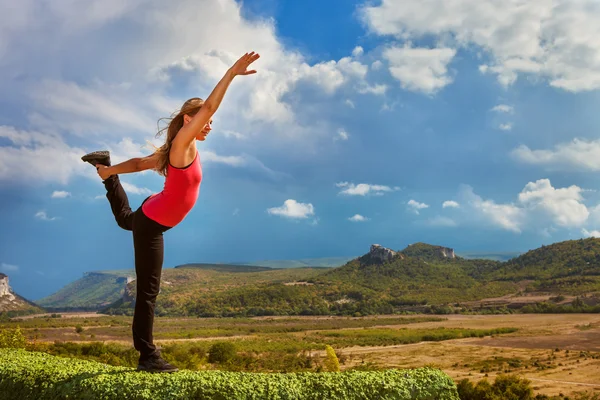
<point>467,124</point>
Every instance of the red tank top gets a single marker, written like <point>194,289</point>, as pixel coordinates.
<point>179,195</point>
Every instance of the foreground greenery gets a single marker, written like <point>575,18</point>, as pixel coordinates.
<point>26,375</point>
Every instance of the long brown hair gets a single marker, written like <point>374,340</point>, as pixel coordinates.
<point>190,107</point>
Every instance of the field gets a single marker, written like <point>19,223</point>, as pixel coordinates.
<point>559,353</point>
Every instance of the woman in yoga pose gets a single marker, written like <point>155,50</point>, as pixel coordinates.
<point>178,160</point>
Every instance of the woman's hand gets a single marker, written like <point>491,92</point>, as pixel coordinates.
<point>103,171</point>
<point>241,66</point>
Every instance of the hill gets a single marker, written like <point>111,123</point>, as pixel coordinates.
<point>420,278</point>
<point>570,267</point>
<point>11,304</point>
<point>96,289</point>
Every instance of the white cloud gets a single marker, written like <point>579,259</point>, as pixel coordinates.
<point>503,108</point>
<point>564,206</point>
<point>341,135</point>
<point>358,218</point>
<point>506,216</point>
<point>440,221</point>
<point>211,156</point>
<point>292,209</point>
<point>79,84</point>
<point>234,134</point>
<point>420,69</point>
<point>579,154</point>
<point>358,51</point>
<point>505,127</point>
<point>60,194</point>
<point>450,204</point>
<point>557,40</point>
<point>594,233</point>
<point>43,216</point>
<point>33,157</point>
<point>349,103</point>
<point>133,189</point>
<point>538,207</point>
<point>415,206</point>
<point>363,189</point>
<point>376,65</point>
<point>378,89</point>
<point>8,268</point>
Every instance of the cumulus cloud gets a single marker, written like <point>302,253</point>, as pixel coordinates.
<point>293,210</point>
<point>564,205</point>
<point>539,206</point>
<point>579,154</point>
<point>558,41</point>
<point>43,216</point>
<point>503,108</point>
<point>420,69</point>
<point>506,216</point>
<point>99,78</point>
<point>415,206</point>
<point>505,127</point>
<point>130,188</point>
<point>33,157</point>
<point>358,218</point>
<point>341,135</point>
<point>450,204</point>
<point>60,194</point>
<point>363,189</point>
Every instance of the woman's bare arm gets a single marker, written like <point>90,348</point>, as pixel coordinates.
<point>126,167</point>
<point>188,133</point>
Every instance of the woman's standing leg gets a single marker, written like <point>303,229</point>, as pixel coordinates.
<point>149,254</point>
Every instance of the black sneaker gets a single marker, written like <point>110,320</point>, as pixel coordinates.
<point>97,157</point>
<point>156,364</point>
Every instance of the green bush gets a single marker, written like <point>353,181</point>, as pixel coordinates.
<point>12,338</point>
<point>505,387</point>
<point>32,376</point>
<point>221,352</point>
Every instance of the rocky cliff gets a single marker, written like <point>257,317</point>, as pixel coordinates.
<point>9,301</point>
<point>381,253</point>
<point>5,289</point>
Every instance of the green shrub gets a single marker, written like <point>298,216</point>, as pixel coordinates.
<point>332,363</point>
<point>32,376</point>
<point>221,352</point>
<point>12,338</point>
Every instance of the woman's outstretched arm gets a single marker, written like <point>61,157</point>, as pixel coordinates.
<point>188,133</point>
<point>126,167</point>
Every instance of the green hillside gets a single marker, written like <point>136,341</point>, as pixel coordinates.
<point>570,267</point>
<point>94,290</point>
<point>421,278</point>
<point>327,262</point>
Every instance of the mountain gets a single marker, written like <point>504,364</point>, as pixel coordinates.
<point>327,262</point>
<point>571,267</point>
<point>420,278</point>
<point>13,304</point>
<point>96,289</point>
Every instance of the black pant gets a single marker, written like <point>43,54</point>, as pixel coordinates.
<point>148,247</point>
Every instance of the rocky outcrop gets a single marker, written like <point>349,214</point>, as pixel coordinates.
<point>445,252</point>
<point>381,253</point>
<point>5,289</point>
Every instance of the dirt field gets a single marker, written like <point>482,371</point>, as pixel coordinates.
<point>559,353</point>
<point>531,351</point>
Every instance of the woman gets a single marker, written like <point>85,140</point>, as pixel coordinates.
<point>179,162</point>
